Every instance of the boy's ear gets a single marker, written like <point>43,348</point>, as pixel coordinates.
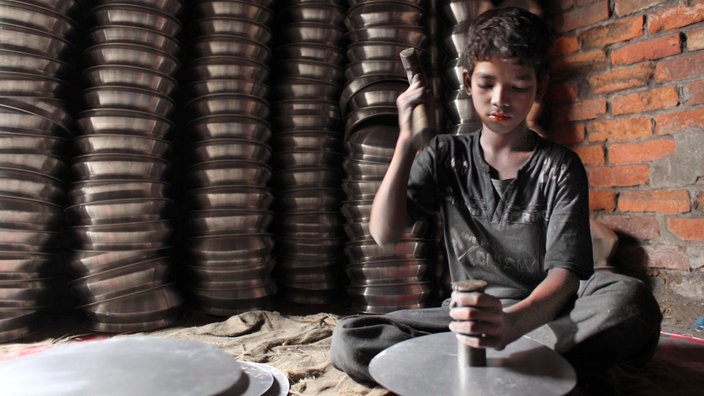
<point>467,81</point>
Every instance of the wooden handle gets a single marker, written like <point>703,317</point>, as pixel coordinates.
<point>466,355</point>
<point>420,126</point>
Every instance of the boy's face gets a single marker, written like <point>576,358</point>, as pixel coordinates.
<point>503,92</point>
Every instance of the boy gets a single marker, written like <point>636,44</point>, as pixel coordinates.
<point>515,214</point>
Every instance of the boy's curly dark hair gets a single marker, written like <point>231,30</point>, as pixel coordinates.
<point>509,32</point>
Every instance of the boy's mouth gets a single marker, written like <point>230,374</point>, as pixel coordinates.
<point>499,116</point>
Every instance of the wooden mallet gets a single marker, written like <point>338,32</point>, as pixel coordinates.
<point>466,355</point>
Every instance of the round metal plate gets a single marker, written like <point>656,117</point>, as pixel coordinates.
<point>120,366</point>
<point>429,366</point>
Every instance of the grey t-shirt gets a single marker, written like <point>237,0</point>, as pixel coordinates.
<point>541,221</point>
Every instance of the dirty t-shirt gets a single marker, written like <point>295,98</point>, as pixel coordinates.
<point>540,221</point>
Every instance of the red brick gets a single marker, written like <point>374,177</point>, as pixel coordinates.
<point>675,17</point>
<point>694,93</point>
<point>668,257</point>
<point>678,121</point>
<point>654,99</point>
<point>565,45</point>
<point>619,31</point>
<point>657,48</point>
<point>582,16</point>
<point>658,201</point>
<point>700,201</point>
<point>622,78</point>
<point>620,129</point>
<point>625,7</point>
<point>688,229</point>
<point>649,150</point>
<point>642,227</point>
<point>619,176</point>
<point>680,68</point>
<point>591,155</point>
<point>602,200</point>
<point>586,109</point>
<point>579,63</point>
<point>567,134</point>
<point>561,93</point>
<point>695,40</point>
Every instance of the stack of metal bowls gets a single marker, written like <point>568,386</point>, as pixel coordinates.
<point>381,279</point>
<point>229,248</point>
<point>119,200</point>
<point>457,15</point>
<point>308,152</point>
<point>34,135</point>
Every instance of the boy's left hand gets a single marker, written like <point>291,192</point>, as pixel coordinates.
<point>479,320</point>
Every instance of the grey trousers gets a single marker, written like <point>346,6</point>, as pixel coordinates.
<point>614,319</point>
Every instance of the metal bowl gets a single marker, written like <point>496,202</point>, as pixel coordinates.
<point>115,34</point>
<point>390,296</point>
<point>328,119</point>
<point>40,42</point>
<point>117,166</point>
<point>320,12</point>
<point>229,103</point>
<point>259,270</point>
<point>306,88</point>
<point>41,163</point>
<point>120,281</point>
<point>30,84</point>
<point>374,142</point>
<point>228,45</point>
<point>31,211</point>
<point>136,311</point>
<point>87,262</point>
<point>312,32</point>
<point>376,95</point>
<point>229,221</point>
<point>235,264</point>
<point>328,140</point>
<point>106,143</point>
<point>259,11</point>
<point>355,70</point>
<point>307,177</point>
<point>411,36</point>
<point>243,27</point>
<point>231,149</point>
<point>136,15</point>
<point>383,14</point>
<point>310,248</point>
<point>23,266</point>
<point>231,197</point>
<point>133,55</point>
<point>294,158</point>
<point>230,126</point>
<point>392,271</point>
<point>27,240</point>
<point>454,41</point>
<point>22,61</point>
<point>53,110</point>
<point>453,73</point>
<point>460,109</point>
<point>137,235</point>
<point>312,69</point>
<point>119,211</point>
<point>231,247</point>
<point>356,211</point>
<point>88,191</point>
<point>27,143</point>
<point>119,97</point>
<point>33,185</point>
<point>229,172</point>
<point>228,85</point>
<point>308,199</point>
<point>360,189</point>
<point>364,170</point>
<point>374,50</point>
<point>458,11</point>
<point>369,251</point>
<point>315,51</point>
<point>309,224</point>
<point>167,6</point>
<point>132,76</point>
<point>36,16</point>
<point>123,121</point>
<point>210,67</point>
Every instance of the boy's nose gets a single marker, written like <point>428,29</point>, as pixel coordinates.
<point>499,99</point>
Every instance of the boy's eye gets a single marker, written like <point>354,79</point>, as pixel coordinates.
<point>521,89</point>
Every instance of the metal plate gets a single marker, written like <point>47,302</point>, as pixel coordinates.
<point>429,366</point>
<point>123,366</point>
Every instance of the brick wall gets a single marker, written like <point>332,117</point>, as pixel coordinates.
<point>628,96</point>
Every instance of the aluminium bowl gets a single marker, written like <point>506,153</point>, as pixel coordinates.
<point>247,28</point>
<point>123,280</point>
<point>306,88</point>
<point>257,11</point>
<point>131,54</point>
<point>329,12</point>
<point>231,247</point>
<point>30,84</point>
<point>86,191</point>
<point>171,7</point>
<point>225,66</point>
<point>315,51</point>
<point>123,121</point>
<point>307,177</point>
<point>111,13</point>
<point>22,61</point>
<point>87,262</point>
<point>116,34</point>
<point>36,16</point>
<point>231,197</point>
<point>459,11</point>
<point>308,139</point>
<point>411,36</point>
<point>230,149</point>
<point>230,126</point>
<point>132,98</point>
<point>229,221</point>
<point>228,45</point>
<point>229,172</point>
<point>105,143</point>
<point>33,185</point>
<point>117,166</point>
<point>227,85</point>
<point>119,211</point>
<point>40,42</point>
<point>312,32</point>
<point>308,199</point>
<point>294,158</point>
<point>229,103</point>
<point>383,14</point>
<point>135,235</point>
<point>131,76</point>
<point>365,251</point>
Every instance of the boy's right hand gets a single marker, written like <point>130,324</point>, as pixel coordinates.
<point>415,94</point>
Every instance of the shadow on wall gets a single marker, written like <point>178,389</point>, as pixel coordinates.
<point>630,258</point>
